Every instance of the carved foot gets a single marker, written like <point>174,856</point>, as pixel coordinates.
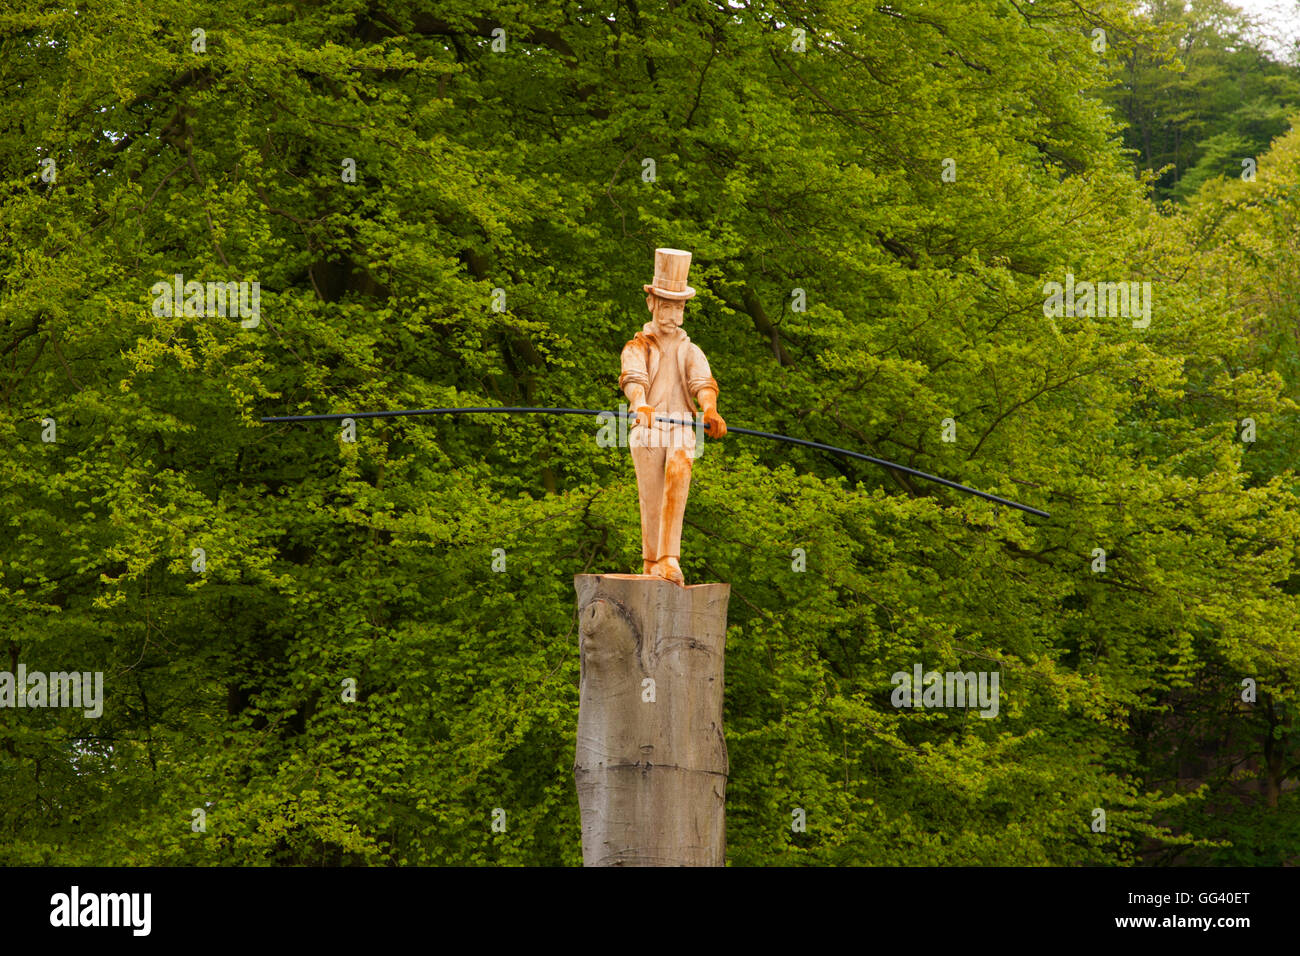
<point>668,569</point>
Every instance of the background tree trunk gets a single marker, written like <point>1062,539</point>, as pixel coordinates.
<point>651,763</point>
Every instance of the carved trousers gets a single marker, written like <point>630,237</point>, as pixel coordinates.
<point>662,456</point>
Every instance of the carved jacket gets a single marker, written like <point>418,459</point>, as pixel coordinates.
<point>641,357</point>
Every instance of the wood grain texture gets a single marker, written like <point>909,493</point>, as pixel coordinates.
<point>651,774</point>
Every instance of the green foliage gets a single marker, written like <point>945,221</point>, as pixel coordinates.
<point>522,170</point>
<point>1219,99</point>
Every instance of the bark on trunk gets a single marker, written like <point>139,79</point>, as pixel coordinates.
<point>651,763</point>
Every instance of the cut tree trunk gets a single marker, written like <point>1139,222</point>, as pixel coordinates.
<point>651,763</point>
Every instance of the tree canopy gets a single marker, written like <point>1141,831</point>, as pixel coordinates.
<point>354,652</point>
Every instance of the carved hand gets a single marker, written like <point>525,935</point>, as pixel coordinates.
<point>713,423</point>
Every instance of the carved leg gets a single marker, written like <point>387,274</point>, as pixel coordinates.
<point>677,485</point>
<point>649,463</point>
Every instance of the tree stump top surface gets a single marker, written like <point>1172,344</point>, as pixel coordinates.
<point>651,577</point>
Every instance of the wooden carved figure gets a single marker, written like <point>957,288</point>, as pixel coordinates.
<point>665,374</point>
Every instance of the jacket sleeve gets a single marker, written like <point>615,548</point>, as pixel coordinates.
<point>634,371</point>
<point>698,375</point>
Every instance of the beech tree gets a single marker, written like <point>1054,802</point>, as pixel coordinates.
<point>357,645</point>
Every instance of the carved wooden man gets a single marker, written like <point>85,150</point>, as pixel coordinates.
<point>664,373</point>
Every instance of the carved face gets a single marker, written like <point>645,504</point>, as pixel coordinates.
<point>667,313</point>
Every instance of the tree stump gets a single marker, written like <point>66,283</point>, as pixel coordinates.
<point>651,763</point>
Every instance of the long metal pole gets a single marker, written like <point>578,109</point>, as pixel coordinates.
<point>404,413</point>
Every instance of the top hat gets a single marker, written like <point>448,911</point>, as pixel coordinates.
<point>671,268</point>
